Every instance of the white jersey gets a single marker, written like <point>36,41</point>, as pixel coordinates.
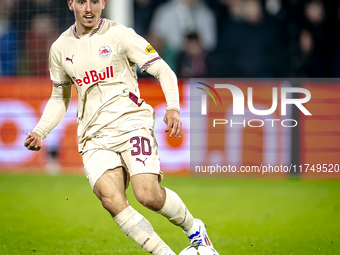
<point>102,65</point>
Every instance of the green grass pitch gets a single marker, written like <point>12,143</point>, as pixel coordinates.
<point>41,214</point>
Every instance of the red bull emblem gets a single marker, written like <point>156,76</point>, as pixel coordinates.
<point>93,76</point>
<point>104,51</point>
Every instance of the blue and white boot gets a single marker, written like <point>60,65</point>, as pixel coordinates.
<point>198,234</point>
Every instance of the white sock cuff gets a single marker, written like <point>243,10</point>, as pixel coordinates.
<point>122,217</point>
<point>139,229</point>
<point>171,205</point>
<point>193,229</point>
<point>130,216</point>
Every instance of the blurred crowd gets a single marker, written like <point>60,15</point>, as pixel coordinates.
<point>244,38</point>
<point>27,30</point>
<point>197,38</point>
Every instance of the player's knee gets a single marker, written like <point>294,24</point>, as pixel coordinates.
<point>148,202</point>
<point>153,201</point>
<point>114,205</point>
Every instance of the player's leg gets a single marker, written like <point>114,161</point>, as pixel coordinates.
<point>142,160</point>
<point>110,189</point>
<point>167,203</point>
<point>161,200</point>
<point>109,186</point>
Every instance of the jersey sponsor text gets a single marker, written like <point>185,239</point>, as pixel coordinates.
<point>93,76</point>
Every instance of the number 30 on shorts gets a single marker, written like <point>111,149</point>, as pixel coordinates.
<point>140,145</point>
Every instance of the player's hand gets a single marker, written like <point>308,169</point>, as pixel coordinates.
<point>174,122</point>
<point>33,141</point>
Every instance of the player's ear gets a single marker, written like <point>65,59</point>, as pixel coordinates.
<point>70,4</point>
<point>103,4</point>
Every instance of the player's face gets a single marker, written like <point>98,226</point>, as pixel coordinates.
<point>87,13</point>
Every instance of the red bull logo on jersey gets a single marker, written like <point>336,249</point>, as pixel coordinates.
<point>93,76</point>
<point>104,51</point>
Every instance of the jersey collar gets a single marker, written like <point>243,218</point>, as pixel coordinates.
<point>94,31</point>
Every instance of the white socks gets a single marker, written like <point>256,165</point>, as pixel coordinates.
<point>175,211</point>
<point>139,229</point>
<point>192,230</point>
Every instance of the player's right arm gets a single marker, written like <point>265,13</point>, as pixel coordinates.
<point>56,106</point>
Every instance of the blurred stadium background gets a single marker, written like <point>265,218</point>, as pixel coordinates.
<point>198,38</point>
<point>219,39</point>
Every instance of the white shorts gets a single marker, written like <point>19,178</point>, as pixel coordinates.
<point>135,151</point>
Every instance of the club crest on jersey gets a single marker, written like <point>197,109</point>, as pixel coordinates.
<point>104,51</point>
<point>149,49</point>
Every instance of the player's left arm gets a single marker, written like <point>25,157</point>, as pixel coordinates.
<point>173,120</point>
<point>139,51</point>
<point>168,81</point>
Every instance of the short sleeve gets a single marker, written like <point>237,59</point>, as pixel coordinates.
<point>138,50</point>
<point>58,74</point>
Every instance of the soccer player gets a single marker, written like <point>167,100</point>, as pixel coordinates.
<point>115,126</point>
